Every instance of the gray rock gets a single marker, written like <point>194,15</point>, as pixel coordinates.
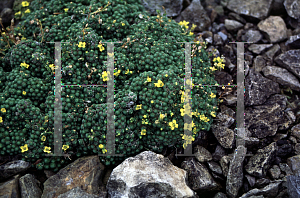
<point>281,76</point>
<point>224,135</point>
<point>293,186</point>
<point>270,190</point>
<point>250,179</point>
<point>285,168</point>
<point>223,36</point>
<point>259,63</point>
<point>199,177</point>
<point>292,8</point>
<point>294,164</point>
<point>201,154</point>
<point>12,168</point>
<point>259,48</point>
<point>29,186</point>
<point>236,17</point>
<point>218,39</point>
<point>252,8</point>
<point>272,52</point>
<point>6,4</point>
<point>219,153</point>
<point>293,41</point>
<point>259,164</point>
<point>215,167</point>
<point>10,188</point>
<point>232,25</point>
<point>77,193</point>
<point>173,7</point>
<point>148,175</point>
<point>7,15</point>
<point>235,173</point>
<point>274,29</point>
<point>196,14</point>
<point>290,60</point>
<point>255,82</point>
<point>220,195</point>
<point>224,162</point>
<point>252,36</point>
<point>275,172</point>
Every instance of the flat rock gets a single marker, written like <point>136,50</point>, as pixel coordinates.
<point>274,29</point>
<point>292,8</point>
<point>290,60</point>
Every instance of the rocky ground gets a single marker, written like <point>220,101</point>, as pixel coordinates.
<point>269,163</point>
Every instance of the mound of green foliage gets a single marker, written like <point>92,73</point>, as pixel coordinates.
<point>149,82</point>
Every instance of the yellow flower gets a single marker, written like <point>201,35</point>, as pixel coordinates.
<point>117,73</point>
<point>173,125</point>
<point>138,107</point>
<point>114,21</point>
<point>104,150</point>
<point>100,146</point>
<point>152,101</point>
<point>104,76</point>
<point>212,95</point>
<point>47,149</point>
<point>148,79</point>
<point>123,24</point>
<point>159,83</point>
<point>213,68</point>
<point>166,75</point>
<point>24,92</point>
<point>23,38</point>
<point>101,48</point>
<point>81,44</point>
<point>1,120</point>
<point>66,9</point>
<point>24,64</point>
<point>27,11</point>
<point>193,27</point>
<point>172,114</point>
<point>161,116</point>
<point>25,3</point>
<point>65,147</point>
<point>18,13</point>
<point>184,23</point>
<point>213,114</point>
<point>24,148</point>
<point>191,34</point>
<point>3,110</point>
<point>145,116</point>
<point>128,71</point>
<point>43,138</point>
<point>143,132</point>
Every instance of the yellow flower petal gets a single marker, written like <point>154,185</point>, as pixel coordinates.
<point>25,3</point>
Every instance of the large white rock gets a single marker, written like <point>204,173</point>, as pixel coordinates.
<point>148,175</point>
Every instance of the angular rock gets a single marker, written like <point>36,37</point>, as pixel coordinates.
<point>272,52</point>
<point>7,15</point>
<point>220,195</point>
<point>290,60</point>
<point>215,167</point>
<point>201,154</point>
<point>292,8</point>
<point>235,173</point>
<point>274,29</point>
<point>259,63</point>
<point>85,172</point>
<point>275,172</point>
<point>258,48</point>
<point>173,7</point>
<point>258,88</point>
<point>77,193</point>
<point>251,180</point>
<point>12,168</point>
<point>281,76</point>
<point>252,36</point>
<point>6,4</point>
<point>236,17</point>
<point>219,153</point>
<point>29,186</point>
<point>262,121</point>
<point>285,168</point>
<point>200,179</point>
<point>224,135</point>
<point>148,174</point>
<point>10,188</point>
<point>259,164</point>
<point>232,25</point>
<point>293,186</point>
<point>223,36</point>
<point>293,41</point>
<point>224,162</point>
<point>294,164</point>
<point>270,190</point>
<point>253,8</point>
<point>196,14</point>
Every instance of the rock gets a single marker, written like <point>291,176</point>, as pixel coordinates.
<point>277,7</point>
<point>200,179</point>
<point>290,60</point>
<point>232,25</point>
<point>257,9</point>
<point>293,41</point>
<point>77,193</point>
<point>259,48</point>
<point>10,188</point>
<point>236,17</point>
<point>215,167</point>
<point>223,36</point>
<point>274,29</point>
<point>259,63</point>
<point>275,172</point>
<point>293,186</point>
<point>235,173</point>
<point>252,36</point>
<point>7,14</point>
<point>220,195</point>
<point>251,180</point>
<point>270,190</point>
<point>201,154</point>
<point>173,8</point>
<point>85,172</point>
<point>255,82</point>
<point>196,14</point>
<point>218,39</point>
<point>292,8</point>
<point>224,162</point>
<point>219,153</point>
<point>6,4</point>
<point>260,162</point>
<point>148,174</point>
<point>273,51</point>
<point>281,76</point>
<point>29,186</point>
<point>12,168</point>
<point>224,136</point>
<point>294,164</point>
